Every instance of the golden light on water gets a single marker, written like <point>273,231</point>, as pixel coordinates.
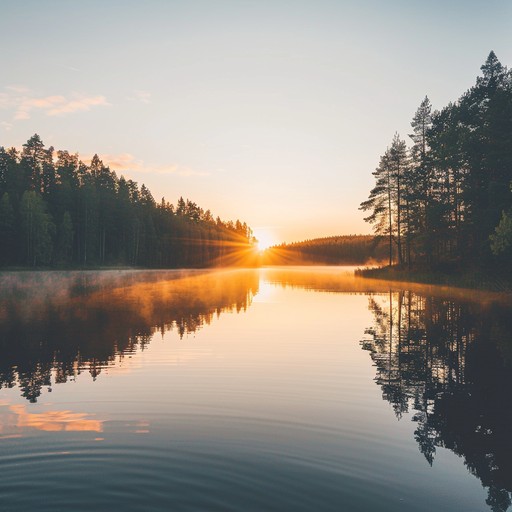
<point>55,421</point>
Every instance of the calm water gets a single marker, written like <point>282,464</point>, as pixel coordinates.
<point>252,390</point>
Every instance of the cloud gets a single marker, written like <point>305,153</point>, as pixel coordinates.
<point>142,96</point>
<point>23,102</point>
<point>122,161</point>
<point>20,89</point>
<point>5,125</point>
<point>127,162</point>
<point>72,68</point>
<point>5,100</point>
<point>77,105</point>
<point>21,115</point>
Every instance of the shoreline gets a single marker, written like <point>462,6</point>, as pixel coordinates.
<point>476,279</point>
<point>468,279</point>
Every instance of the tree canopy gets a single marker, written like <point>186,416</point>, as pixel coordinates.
<point>447,199</point>
<point>57,211</point>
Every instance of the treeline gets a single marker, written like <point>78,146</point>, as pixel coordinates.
<point>334,250</point>
<point>57,211</point>
<point>446,200</point>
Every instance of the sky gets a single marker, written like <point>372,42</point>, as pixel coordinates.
<point>273,112</point>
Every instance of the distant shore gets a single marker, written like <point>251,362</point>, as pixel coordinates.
<point>476,279</point>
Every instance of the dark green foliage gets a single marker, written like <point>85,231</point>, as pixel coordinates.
<point>61,212</point>
<point>37,229</point>
<point>7,230</point>
<point>64,251</point>
<point>501,239</point>
<point>442,208</point>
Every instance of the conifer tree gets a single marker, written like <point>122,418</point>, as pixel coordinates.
<point>380,202</point>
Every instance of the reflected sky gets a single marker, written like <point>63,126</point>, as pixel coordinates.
<point>49,421</point>
<point>249,389</point>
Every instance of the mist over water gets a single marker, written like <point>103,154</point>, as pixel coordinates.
<point>261,389</point>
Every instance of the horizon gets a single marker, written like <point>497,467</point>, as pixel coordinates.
<point>269,112</point>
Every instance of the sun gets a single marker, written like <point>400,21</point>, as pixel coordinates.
<point>265,238</point>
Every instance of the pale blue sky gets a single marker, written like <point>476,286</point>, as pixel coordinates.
<point>274,112</point>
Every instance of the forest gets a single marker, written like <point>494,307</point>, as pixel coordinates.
<point>333,250</point>
<point>56,211</point>
<point>445,202</point>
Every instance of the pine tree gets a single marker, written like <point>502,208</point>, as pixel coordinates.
<point>7,230</point>
<point>380,202</point>
<point>37,228</point>
<point>33,158</point>
<point>65,240</point>
<point>399,164</point>
<point>420,177</point>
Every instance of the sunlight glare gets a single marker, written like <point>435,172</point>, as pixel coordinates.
<point>265,238</point>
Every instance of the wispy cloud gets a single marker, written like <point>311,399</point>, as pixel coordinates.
<point>20,89</point>
<point>72,68</point>
<point>124,162</point>
<point>142,96</point>
<point>78,104</point>
<point>23,103</point>
<point>5,125</point>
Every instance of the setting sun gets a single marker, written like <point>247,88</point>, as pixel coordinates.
<point>265,238</point>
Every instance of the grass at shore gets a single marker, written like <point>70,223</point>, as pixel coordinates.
<point>477,279</point>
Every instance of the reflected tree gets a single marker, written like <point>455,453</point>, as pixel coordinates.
<point>450,365</point>
<point>53,332</point>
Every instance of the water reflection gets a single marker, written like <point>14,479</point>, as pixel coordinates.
<point>343,280</point>
<point>52,421</point>
<point>277,404</point>
<point>449,364</point>
<point>54,326</point>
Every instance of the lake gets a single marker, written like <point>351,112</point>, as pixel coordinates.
<point>273,389</point>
